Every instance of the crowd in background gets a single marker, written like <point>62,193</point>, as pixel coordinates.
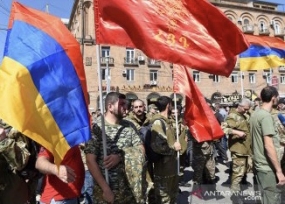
<point>144,153</point>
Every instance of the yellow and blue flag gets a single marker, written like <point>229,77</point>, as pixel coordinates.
<point>264,53</point>
<point>43,90</point>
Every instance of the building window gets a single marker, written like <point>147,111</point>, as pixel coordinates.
<point>130,74</point>
<point>268,79</point>
<point>153,75</point>
<point>246,22</point>
<point>262,26</point>
<point>251,77</point>
<point>282,78</point>
<point>234,77</point>
<point>130,53</point>
<point>105,51</point>
<point>196,76</point>
<point>104,73</point>
<point>277,29</point>
<point>216,78</point>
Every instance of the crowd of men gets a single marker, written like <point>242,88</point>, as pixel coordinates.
<point>140,155</point>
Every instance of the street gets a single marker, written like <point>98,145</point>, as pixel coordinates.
<point>222,195</point>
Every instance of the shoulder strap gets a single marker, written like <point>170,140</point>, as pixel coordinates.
<point>118,133</point>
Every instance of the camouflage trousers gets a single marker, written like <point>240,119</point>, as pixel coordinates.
<point>239,169</point>
<point>122,196</point>
<point>204,168</point>
<point>166,189</point>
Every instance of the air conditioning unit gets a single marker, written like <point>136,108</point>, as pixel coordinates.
<point>140,58</point>
<point>153,83</point>
<point>265,74</point>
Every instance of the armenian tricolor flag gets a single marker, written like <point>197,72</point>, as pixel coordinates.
<point>43,90</point>
<point>264,53</point>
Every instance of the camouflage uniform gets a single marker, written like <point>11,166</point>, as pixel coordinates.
<point>138,122</point>
<point>165,170</point>
<point>281,132</point>
<point>203,162</point>
<point>13,157</point>
<point>240,148</point>
<point>117,176</point>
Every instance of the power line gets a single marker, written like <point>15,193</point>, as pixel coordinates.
<point>5,5</point>
<point>4,8</point>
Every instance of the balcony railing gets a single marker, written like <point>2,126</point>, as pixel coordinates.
<point>248,28</point>
<point>264,31</point>
<point>131,61</point>
<point>279,33</point>
<point>105,60</point>
<point>153,63</point>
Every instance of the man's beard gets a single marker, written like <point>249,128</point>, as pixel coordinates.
<point>118,114</point>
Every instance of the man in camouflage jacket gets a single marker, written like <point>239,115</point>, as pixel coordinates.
<point>138,116</point>
<point>281,129</point>
<point>119,137</point>
<point>13,157</point>
<point>237,127</point>
<point>164,143</point>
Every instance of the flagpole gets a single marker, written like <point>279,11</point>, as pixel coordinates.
<point>102,109</point>
<point>177,136</point>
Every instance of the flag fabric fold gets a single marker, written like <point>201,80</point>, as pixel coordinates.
<point>186,32</point>
<point>43,86</point>
<point>198,115</point>
<point>264,53</point>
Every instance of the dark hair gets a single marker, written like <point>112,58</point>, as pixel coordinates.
<point>129,104</point>
<point>257,99</point>
<point>112,98</point>
<point>162,102</point>
<point>268,93</point>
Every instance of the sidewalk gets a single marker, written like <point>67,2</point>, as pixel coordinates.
<point>223,193</point>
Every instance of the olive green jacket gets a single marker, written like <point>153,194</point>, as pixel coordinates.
<point>182,132</point>
<point>237,121</point>
<point>163,143</point>
<point>138,122</point>
<point>278,125</point>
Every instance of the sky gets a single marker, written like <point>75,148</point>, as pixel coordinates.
<point>59,8</point>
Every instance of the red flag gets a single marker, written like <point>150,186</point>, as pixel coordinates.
<point>187,32</point>
<point>198,116</point>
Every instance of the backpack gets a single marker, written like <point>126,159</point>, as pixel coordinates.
<point>145,134</point>
<point>30,171</point>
